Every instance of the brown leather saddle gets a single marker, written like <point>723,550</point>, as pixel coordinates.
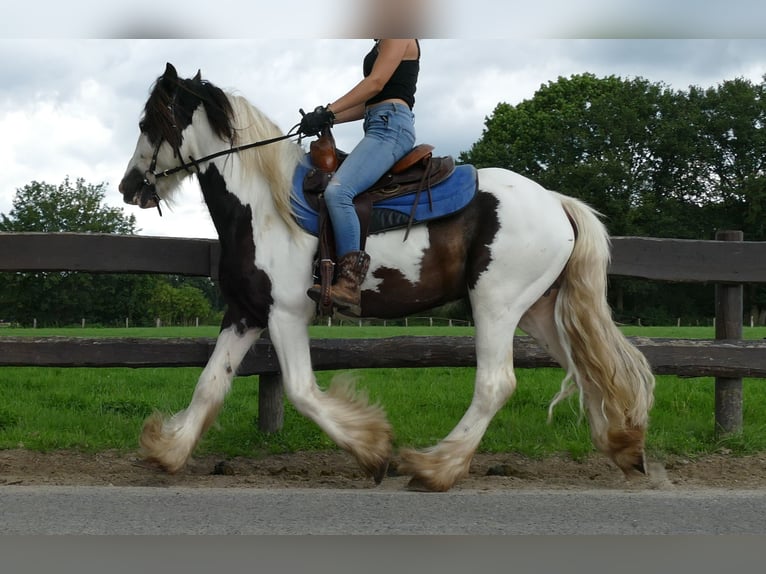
<point>414,174</point>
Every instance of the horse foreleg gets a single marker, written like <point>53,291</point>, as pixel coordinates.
<point>345,415</point>
<point>169,442</point>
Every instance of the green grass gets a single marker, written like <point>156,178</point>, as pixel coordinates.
<point>324,332</point>
<point>100,409</point>
<point>688,332</point>
<point>131,332</point>
<point>317,331</point>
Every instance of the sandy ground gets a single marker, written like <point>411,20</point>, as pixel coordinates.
<point>336,469</point>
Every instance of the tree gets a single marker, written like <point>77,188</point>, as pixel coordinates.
<point>602,140</point>
<point>46,208</point>
<point>655,162</point>
<point>65,297</point>
<point>734,134</point>
<point>179,305</point>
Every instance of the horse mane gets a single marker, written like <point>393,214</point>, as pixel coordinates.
<point>158,120</point>
<point>274,162</point>
<point>233,119</point>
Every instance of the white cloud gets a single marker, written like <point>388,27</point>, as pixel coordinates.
<point>71,107</point>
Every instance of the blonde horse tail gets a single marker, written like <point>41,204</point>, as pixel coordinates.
<point>614,378</point>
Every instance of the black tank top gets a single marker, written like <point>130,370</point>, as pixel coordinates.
<point>402,83</point>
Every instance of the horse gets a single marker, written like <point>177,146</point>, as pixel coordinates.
<point>522,255</point>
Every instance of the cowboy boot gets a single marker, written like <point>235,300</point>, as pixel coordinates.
<point>346,293</point>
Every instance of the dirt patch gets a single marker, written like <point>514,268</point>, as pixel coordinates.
<point>336,469</point>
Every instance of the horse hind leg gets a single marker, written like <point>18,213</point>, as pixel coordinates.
<point>170,442</point>
<point>438,468</point>
<point>612,430</point>
<point>615,378</point>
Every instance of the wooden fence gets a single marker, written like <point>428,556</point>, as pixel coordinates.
<point>728,262</point>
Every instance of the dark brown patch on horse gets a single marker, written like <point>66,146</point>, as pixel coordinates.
<point>486,225</point>
<point>245,288</point>
<point>458,254</point>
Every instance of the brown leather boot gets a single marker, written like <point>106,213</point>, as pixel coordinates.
<point>346,293</point>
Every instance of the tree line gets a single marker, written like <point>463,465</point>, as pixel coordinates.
<point>66,297</point>
<point>655,161</point>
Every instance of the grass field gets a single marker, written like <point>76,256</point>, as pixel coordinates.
<point>349,332</point>
<point>99,409</point>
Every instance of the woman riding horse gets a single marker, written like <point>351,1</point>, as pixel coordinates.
<point>524,256</point>
<point>384,98</point>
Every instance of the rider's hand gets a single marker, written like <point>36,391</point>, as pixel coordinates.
<point>313,122</point>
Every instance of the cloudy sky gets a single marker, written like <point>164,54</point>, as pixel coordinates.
<point>70,106</point>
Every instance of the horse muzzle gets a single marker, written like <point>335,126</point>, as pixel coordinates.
<point>145,198</point>
<point>138,189</point>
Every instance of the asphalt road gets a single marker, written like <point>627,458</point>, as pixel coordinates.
<point>118,510</point>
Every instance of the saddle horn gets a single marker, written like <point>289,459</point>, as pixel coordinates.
<point>322,151</point>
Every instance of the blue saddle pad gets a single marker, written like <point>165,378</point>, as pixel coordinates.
<point>448,197</point>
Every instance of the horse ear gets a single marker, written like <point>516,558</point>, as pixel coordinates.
<point>171,75</point>
<point>198,76</point>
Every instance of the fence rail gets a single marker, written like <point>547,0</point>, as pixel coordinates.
<point>728,262</point>
<point>643,257</point>
<point>683,357</point>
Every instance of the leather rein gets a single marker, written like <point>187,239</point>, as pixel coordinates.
<point>151,176</point>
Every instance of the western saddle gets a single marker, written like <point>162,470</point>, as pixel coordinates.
<point>416,172</point>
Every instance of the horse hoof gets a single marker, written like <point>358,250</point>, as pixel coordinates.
<point>417,485</point>
<point>381,472</point>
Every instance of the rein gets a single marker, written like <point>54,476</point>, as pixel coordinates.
<point>150,173</point>
<point>150,176</point>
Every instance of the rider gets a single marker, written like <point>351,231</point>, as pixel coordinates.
<point>384,98</point>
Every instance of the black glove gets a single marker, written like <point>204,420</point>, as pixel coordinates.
<point>313,122</point>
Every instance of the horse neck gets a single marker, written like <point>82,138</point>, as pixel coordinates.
<point>259,177</point>
<point>237,206</point>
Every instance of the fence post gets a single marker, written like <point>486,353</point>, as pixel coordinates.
<point>728,325</point>
<point>271,406</point>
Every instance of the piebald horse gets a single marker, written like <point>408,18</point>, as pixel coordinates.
<point>523,255</point>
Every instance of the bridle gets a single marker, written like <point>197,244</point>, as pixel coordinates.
<point>192,166</point>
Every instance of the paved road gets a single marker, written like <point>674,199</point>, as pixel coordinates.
<point>112,510</point>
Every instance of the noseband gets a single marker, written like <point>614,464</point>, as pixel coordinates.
<point>192,166</point>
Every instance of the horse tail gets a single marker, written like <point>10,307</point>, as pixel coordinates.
<point>614,378</point>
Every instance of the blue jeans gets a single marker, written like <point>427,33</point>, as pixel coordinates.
<point>389,133</point>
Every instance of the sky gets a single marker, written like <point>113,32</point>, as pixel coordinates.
<point>69,106</point>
